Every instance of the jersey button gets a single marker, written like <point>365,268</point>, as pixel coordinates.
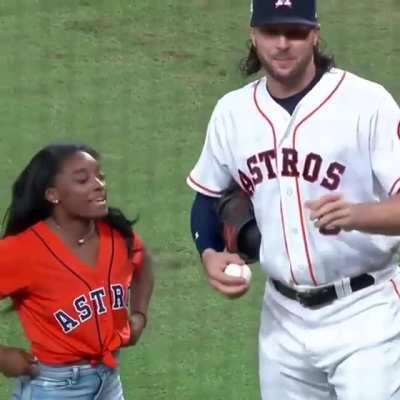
<point>289,192</point>
<point>295,231</point>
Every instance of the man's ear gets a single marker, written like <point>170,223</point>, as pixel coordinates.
<point>252,37</point>
<point>317,35</point>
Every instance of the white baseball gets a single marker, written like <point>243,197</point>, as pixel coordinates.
<point>240,271</point>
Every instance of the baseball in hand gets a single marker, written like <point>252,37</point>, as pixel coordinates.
<point>240,271</point>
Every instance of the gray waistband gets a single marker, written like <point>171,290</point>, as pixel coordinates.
<point>70,371</point>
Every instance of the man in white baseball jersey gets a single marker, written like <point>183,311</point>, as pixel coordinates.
<point>317,149</point>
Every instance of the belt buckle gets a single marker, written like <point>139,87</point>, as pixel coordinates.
<point>303,297</point>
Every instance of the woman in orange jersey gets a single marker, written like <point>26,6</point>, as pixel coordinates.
<point>78,276</point>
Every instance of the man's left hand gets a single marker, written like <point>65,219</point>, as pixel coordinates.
<point>332,212</point>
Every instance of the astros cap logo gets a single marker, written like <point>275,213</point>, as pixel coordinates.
<point>280,3</point>
<point>272,12</point>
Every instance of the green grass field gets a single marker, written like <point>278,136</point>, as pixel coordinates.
<point>138,81</point>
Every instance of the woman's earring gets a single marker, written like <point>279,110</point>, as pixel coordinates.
<point>56,201</point>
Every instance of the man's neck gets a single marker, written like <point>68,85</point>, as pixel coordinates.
<point>283,90</point>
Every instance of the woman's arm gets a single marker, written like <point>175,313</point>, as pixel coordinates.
<point>141,291</point>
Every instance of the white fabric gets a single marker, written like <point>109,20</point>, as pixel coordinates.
<point>348,350</point>
<point>347,128</point>
<point>343,137</point>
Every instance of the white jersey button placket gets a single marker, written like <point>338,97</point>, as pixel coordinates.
<point>293,230</point>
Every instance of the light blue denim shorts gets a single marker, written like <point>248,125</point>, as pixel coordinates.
<point>75,382</point>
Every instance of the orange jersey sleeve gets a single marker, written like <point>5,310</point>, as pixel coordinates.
<point>15,273</point>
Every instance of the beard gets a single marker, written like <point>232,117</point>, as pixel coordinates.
<point>289,77</point>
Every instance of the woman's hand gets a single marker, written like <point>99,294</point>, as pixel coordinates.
<point>15,362</point>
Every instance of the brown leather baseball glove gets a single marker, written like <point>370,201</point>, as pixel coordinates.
<point>240,231</point>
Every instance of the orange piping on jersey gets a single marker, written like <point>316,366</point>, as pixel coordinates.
<point>398,130</point>
<point>395,287</point>
<point>276,165</point>
<point>299,201</point>
<point>212,192</point>
<point>392,189</point>
<point>286,245</point>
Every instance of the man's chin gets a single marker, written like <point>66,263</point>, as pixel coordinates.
<point>284,76</point>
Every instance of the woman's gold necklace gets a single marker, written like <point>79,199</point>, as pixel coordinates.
<point>81,241</point>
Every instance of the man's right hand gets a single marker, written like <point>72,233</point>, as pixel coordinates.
<point>215,263</point>
<point>15,362</point>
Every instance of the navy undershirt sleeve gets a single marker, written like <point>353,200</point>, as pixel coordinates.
<point>205,224</point>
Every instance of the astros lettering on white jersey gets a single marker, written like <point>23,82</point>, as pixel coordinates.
<point>344,137</point>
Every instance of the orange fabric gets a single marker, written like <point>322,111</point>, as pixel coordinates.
<point>69,310</point>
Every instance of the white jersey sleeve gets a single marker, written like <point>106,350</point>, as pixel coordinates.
<point>385,145</point>
<point>211,175</point>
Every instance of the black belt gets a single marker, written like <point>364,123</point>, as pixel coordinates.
<point>325,295</point>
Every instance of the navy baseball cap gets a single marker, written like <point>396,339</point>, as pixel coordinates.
<point>270,12</point>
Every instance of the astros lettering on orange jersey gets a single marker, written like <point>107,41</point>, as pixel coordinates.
<point>93,302</point>
<point>70,310</point>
